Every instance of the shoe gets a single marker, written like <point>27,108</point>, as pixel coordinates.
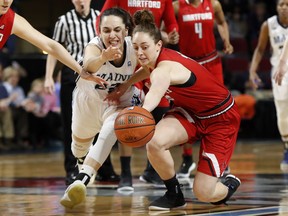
<point>168,202</point>
<point>70,177</point>
<point>125,184</point>
<point>232,182</point>
<point>107,177</point>
<point>284,163</point>
<point>74,194</point>
<point>151,177</point>
<point>187,166</point>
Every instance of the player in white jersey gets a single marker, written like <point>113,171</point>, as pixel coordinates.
<point>110,56</point>
<point>275,30</point>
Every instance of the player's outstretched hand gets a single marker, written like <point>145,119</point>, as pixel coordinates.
<point>89,76</point>
<point>114,96</point>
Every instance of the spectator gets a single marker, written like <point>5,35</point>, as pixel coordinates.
<point>16,101</point>
<point>44,116</point>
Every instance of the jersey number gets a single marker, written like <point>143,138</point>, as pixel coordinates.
<point>198,30</point>
<point>110,89</point>
<point>1,37</point>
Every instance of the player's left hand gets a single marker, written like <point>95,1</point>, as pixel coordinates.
<point>173,37</point>
<point>114,96</point>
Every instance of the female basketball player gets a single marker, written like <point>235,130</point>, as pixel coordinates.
<point>110,56</point>
<point>12,23</point>
<point>203,109</point>
<point>203,49</point>
<point>275,30</point>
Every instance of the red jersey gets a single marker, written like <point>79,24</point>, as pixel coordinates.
<point>161,9</point>
<point>6,24</point>
<point>202,95</point>
<point>196,29</point>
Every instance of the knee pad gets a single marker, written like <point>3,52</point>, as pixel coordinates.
<point>80,150</point>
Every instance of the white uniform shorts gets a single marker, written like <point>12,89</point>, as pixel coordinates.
<point>89,110</point>
<point>280,92</point>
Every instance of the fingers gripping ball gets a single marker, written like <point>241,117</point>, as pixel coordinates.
<point>134,126</point>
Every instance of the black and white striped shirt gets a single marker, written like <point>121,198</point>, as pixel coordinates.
<point>74,31</point>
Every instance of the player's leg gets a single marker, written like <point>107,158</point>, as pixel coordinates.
<point>126,183</point>
<point>216,150</point>
<point>169,132</point>
<point>96,156</point>
<point>188,164</point>
<point>282,121</point>
<point>150,175</point>
<point>106,172</point>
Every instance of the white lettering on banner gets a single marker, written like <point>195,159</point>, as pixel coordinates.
<point>196,17</point>
<point>144,4</point>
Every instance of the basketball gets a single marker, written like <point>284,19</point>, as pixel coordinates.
<point>134,126</point>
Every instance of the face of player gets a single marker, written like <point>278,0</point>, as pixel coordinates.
<point>82,6</point>
<point>282,8</point>
<point>145,48</point>
<point>113,31</point>
<point>5,5</point>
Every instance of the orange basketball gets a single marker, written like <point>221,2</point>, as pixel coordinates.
<point>134,126</point>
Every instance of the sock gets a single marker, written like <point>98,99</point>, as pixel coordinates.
<point>125,166</point>
<point>187,151</point>
<point>85,174</point>
<point>187,159</point>
<point>173,185</point>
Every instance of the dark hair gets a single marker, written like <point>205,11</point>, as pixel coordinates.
<point>144,22</point>
<point>119,12</point>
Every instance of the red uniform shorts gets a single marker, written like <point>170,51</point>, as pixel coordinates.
<point>218,137</point>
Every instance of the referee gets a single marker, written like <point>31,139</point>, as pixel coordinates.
<point>73,30</point>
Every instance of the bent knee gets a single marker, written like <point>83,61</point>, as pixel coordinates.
<point>79,148</point>
<point>154,145</point>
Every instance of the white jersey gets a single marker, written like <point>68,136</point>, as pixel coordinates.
<point>112,74</point>
<point>89,108</point>
<point>277,36</point>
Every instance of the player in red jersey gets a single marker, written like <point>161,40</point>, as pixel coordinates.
<point>196,23</point>
<point>203,109</point>
<point>12,23</point>
<point>161,9</point>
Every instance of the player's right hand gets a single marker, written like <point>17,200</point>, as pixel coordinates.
<point>49,85</point>
<point>89,76</point>
<point>254,80</point>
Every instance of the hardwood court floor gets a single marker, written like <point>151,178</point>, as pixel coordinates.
<point>33,183</point>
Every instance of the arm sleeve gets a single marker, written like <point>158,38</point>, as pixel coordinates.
<point>169,17</point>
